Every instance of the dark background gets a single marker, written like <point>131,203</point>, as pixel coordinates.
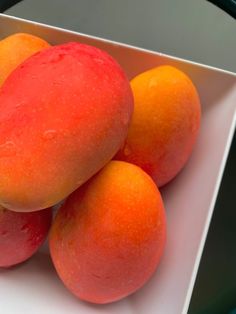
<point>195,30</point>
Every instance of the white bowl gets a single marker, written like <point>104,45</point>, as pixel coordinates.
<point>33,287</point>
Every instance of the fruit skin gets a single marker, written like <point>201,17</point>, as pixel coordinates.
<point>17,48</point>
<point>164,125</point>
<point>64,113</point>
<point>21,234</point>
<point>107,239</point>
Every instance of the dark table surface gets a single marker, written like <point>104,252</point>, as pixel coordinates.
<point>195,30</point>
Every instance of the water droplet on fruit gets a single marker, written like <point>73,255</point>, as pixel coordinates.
<point>7,149</point>
<point>49,134</point>
<point>54,58</point>
<point>98,60</point>
<point>19,104</point>
<point>127,150</point>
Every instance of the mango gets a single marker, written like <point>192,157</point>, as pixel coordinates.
<point>21,234</point>
<point>108,238</point>
<point>17,48</point>
<point>64,113</point>
<point>165,123</point>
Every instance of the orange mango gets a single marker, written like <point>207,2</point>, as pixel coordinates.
<point>64,113</point>
<point>165,123</point>
<point>17,48</point>
<point>108,238</point>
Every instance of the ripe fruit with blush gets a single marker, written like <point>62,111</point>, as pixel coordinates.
<point>21,234</point>
<point>108,237</point>
<point>64,113</point>
<point>165,123</point>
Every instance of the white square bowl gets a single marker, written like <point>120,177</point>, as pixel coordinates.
<point>33,287</point>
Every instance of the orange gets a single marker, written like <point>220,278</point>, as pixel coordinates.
<point>15,49</point>
<point>165,123</point>
<point>109,236</point>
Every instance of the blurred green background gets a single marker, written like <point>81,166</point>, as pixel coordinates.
<point>191,29</point>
